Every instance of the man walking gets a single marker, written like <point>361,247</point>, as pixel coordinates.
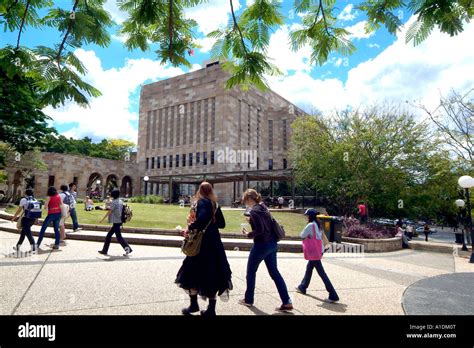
<point>72,211</point>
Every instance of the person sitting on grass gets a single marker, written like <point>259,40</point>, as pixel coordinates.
<point>89,204</point>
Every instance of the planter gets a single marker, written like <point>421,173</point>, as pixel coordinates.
<point>377,245</point>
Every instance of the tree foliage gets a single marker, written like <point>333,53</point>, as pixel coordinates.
<point>381,155</point>
<point>115,149</point>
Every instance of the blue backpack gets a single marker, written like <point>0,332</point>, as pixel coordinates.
<point>33,209</point>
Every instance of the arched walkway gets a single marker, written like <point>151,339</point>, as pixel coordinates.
<point>126,189</point>
<point>94,186</point>
<point>110,184</point>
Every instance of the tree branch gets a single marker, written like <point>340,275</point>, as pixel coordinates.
<point>22,23</point>
<point>237,26</point>
<point>68,31</point>
<point>324,17</point>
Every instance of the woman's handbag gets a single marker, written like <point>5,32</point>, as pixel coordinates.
<point>192,242</point>
<point>312,247</point>
<point>19,222</point>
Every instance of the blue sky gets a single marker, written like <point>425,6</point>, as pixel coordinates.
<point>383,69</point>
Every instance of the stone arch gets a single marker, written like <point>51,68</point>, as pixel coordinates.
<point>110,183</point>
<point>126,188</point>
<point>95,185</point>
<point>17,185</point>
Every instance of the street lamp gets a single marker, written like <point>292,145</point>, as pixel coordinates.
<point>146,179</point>
<point>460,204</point>
<point>467,182</point>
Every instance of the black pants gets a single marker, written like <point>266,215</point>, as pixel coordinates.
<point>115,230</point>
<point>322,274</point>
<point>26,232</point>
<point>426,236</point>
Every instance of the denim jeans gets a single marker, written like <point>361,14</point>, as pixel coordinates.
<point>115,230</point>
<point>55,219</point>
<point>75,224</point>
<point>26,232</point>
<point>327,283</point>
<point>265,252</point>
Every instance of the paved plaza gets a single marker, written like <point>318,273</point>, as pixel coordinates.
<point>76,280</point>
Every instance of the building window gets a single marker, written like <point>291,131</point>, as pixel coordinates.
<point>153,163</point>
<point>191,124</point>
<point>172,109</point>
<point>206,120</point>
<point>213,119</point>
<point>178,126</point>
<point>164,161</point>
<point>198,158</point>
<point>270,135</point>
<point>158,162</point>
<point>185,123</point>
<point>285,163</point>
<point>270,164</point>
<point>75,180</point>
<point>212,158</point>
<point>147,163</point>
<point>190,159</point>
<point>285,135</point>
<point>171,161</point>
<point>51,180</point>
<point>204,158</point>
<point>177,161</point>
<point>183,160</point>
<point>198,123</point>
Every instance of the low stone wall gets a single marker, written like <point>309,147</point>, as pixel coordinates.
<point>377,245</point>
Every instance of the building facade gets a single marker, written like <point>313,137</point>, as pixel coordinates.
<point>191,124</point>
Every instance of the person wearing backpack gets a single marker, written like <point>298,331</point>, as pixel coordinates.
<point>55,206</point>
<point>31,209</point>
<point>313,230</point>
<point>72,211</point>
<point>68,205</point>
<point>115,216</point>
<point>264,249</point>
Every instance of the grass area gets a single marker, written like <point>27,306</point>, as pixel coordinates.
<point>169,216</point>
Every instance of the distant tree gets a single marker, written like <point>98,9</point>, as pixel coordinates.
<point>454,120</point>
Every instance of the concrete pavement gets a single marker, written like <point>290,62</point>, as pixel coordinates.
<point>77,280</point>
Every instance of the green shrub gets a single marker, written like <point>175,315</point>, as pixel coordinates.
<point>80,201</point>
<point>151,199</point>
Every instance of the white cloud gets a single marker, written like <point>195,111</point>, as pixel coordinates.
<point>117,15</point>
<point>373,45</point>
<point>280,51</point>
<point>347,14</point>
<point>109,115</point>
<point>212,14</point>
<point>206,43</point>
<point>357,31</point>
<point>400,73</point>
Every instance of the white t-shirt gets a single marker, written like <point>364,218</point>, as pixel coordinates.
<point>23,203</point>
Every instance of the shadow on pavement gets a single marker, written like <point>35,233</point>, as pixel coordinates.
<point>333,307</point>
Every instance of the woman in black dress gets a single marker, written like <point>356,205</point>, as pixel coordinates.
<point>208,273</point>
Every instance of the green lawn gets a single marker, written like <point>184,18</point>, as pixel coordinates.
<point>168,217</point>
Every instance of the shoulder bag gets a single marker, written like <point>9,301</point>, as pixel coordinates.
<point>192,242</point>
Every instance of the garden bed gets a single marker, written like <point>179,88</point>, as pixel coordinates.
<point>376,245</point>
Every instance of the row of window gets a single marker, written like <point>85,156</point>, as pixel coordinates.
<point>169,125</point>
<point>180,160</point>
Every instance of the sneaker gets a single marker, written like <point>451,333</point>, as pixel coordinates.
<point>63,243</point>
<point>55,247</point>
<point>243,303</point>
<point>328,300</point>
<point>77,229</point>
<point>301,291</point>
<point>127,252</point>
<point>285,308</point>
<point>102,252</point>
